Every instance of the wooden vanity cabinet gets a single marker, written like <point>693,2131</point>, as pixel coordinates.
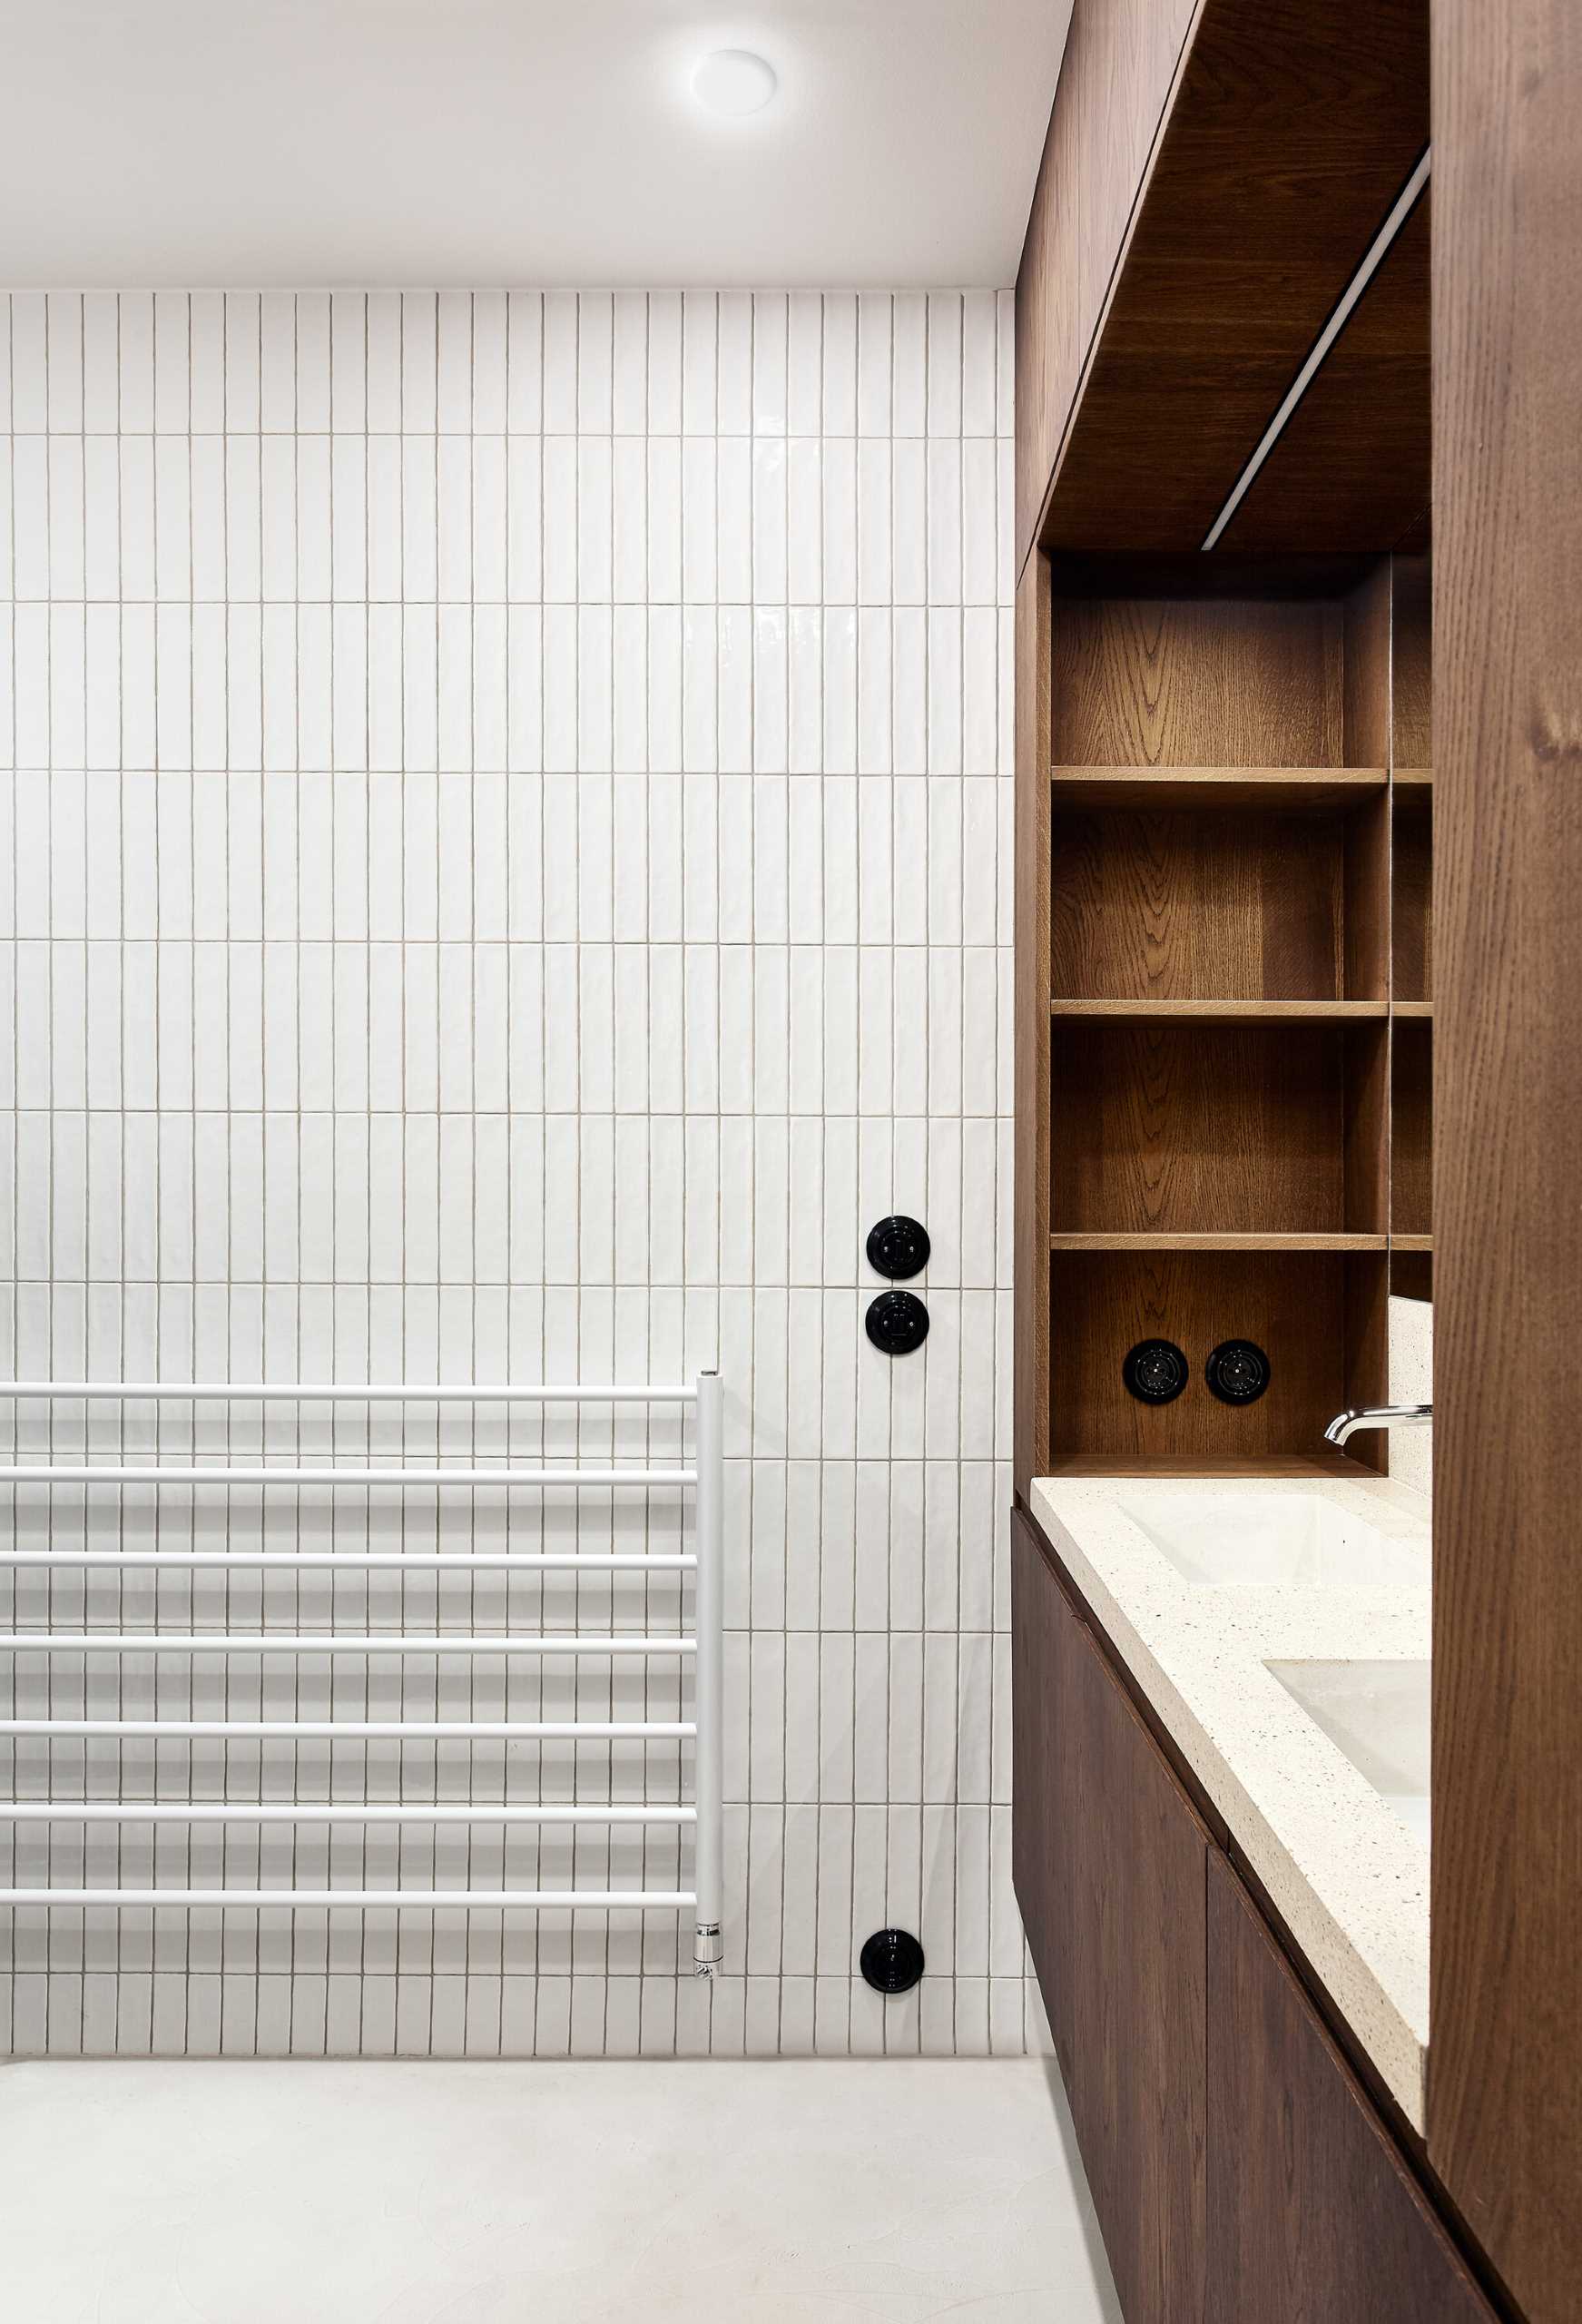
<point>1240,2172</point>
<point>1109,1869</point>
<point>1312,2216</point>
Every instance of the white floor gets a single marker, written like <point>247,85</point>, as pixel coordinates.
<point>245,2193</point>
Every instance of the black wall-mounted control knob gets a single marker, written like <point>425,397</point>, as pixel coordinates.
<point>899,1247</point>
<point>1154,1372</point>
<point>891,1961</point>
<point>1237,1373</point>
<point>897,1322</point>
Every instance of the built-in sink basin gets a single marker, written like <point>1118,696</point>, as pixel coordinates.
<point>1377,1713</point>
<point>1268,1539</point>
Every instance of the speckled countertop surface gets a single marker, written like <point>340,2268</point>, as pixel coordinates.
<point>1349,1878</point>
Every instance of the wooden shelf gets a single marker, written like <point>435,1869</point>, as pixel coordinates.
<point>1411,1242</point>
<point>1228,883</point>
<point>1279,788</point>
<point>1417,779</point>
<point>1419,1010</point>
<point>1217,1242</point>
<point>1229,1013</point>
<point>1324,1462</point>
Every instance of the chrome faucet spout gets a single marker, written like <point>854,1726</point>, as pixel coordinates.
<point>1348,1425</point>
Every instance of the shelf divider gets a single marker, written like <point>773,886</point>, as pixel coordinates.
<point>1278,789</point>
<point>1211,1239</point>
<point>1234,1012</point>
<point>1323,1463</point>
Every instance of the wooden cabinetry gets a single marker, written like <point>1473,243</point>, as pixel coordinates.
<point>1239,2172</point>
<point>1225,993</point>
<point>1236,157</point>
<point>1109,1865</point>
<point>1312,2216</point>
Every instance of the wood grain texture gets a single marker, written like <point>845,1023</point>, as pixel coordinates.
<point>1365,677</point>
<point>1213,1239</point>
<point>1048,302</point>
<point>1030,1385</point>
<point>1411,1131</point>
<point>1291,132</point>
<point>1227,1012</point>
<point>1353,461</point>
<point>1365,1128</point>
<point>1235,1129</point>
<point>1365,696</point>
<point>1312,2216</point>
<point>1412,668</point>
<point>1292,1303</point>
<point>1505,2088</point>
<point>1412,922</point>
<point>1196,907</point>
<point>1184,682</point>
<point>1121,59</point>
<point>1321,1464</point>
<point>1366,903</point>
<point>1280,787</point>
<point>1109,1862</point>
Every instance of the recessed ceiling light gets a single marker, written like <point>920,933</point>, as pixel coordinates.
<point>734,82</point>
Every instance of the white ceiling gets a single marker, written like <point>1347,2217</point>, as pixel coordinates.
<point>228,143</point>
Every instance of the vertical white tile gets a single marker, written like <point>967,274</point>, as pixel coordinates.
<point>594,360</point>
<point>721,1002</point>
<point>524,363</point>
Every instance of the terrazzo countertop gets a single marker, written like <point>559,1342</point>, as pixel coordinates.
<point>1346,1872</point>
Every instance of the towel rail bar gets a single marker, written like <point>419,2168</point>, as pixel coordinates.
<point>702,1648</point>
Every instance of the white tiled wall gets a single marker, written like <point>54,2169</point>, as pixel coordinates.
<point>508,872</point>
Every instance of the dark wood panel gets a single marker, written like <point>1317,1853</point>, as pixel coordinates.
<point>1191,1127</point>
<point>1413,662</point>
<point>1030,1426</point>
<point>1366,888</point>
<point>1365,1128</point>
<point>1412,1137</point>
<point>1196,907</point>
<point>1505,2091</point>
<point>1109,1858</point>
<point>1293,1303</point>
<point>1274,788</point>
<point>1145,681</point>
<point>1412,927</point>
<point>1121,56</point>
<point>1046,1834</point>
<point>1312,2216</point>
<point>1353,461</point>
<point>1049,321</point>
<point>1291,133</point>
<point>1366,682</point>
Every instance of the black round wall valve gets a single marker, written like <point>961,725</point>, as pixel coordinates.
<point>899,1248</point>
<point>1154,1372</point>
<point>1237,1373</point>
<point>891,1961</point>
<point>897,1322</point>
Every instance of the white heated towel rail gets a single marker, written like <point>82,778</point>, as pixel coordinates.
<point>703,1649</point>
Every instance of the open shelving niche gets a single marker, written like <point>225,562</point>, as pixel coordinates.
<point>1238,1073</point>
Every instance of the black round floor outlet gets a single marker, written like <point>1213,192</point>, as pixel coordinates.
<point>897,1322</point>
<point>891,1961</point>
<point>899,1248</point>
<point>1237,1372</point>
<point>1155,1372</point>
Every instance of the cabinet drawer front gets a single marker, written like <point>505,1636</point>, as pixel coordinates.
<point>1108,1856</point>
<point>1312,2216</point>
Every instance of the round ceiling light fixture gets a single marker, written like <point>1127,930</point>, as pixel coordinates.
<point>734,82</point>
